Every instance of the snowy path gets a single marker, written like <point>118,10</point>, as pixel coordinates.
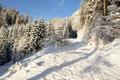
<point>74,62</point>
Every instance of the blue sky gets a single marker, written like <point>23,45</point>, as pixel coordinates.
<point>43,8</point>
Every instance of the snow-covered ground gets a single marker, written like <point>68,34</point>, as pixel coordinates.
<point>77,61</point>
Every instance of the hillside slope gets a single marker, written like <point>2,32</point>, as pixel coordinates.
<point>78,61</point>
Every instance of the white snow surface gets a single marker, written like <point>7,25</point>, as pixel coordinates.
<point>76,61</point>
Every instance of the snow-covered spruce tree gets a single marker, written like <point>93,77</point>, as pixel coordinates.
<point>55,37</point>
<point>99,20</point>
<point>19,37</point>
<point>4,46</point>
<point>31,41</point>
<point>50,35</point>
<point>37,34</point>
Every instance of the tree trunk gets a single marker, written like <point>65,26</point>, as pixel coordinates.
<point>105,7</point>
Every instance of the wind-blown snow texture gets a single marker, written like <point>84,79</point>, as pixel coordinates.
<point>77,61</point>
